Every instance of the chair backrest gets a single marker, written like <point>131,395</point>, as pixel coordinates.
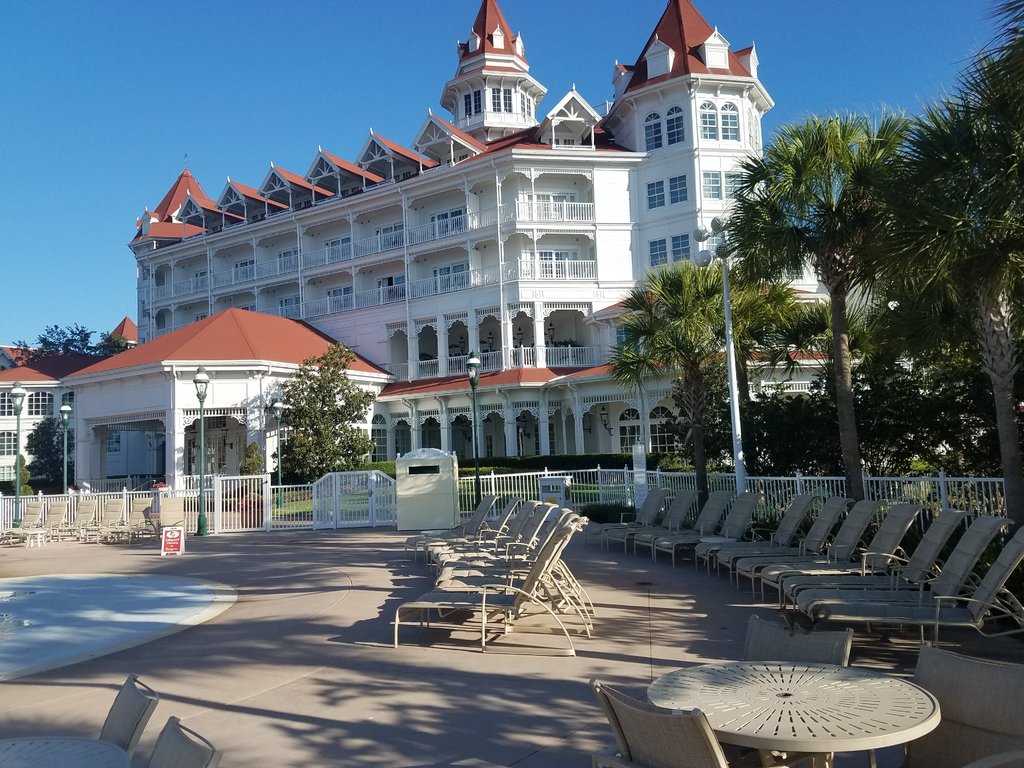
<point>738,520</point>
<point>712,512</point>
<point>501,521</point>
<point>128,715</point>
<point>653,504</point>
<point>531,532</point>
<point>55,514</point>
<point>653,737</point>
<point>476,520</point>
<point>520,519</point>
<point>767,641</point>
<point>679,509</point>
<point>113,510</point>
<point>890,533</point>
<point>982,709</point>
<point>927,551</point>
<point>851,532</point>
<point>794,515</point>
<point>85,513</point>
<point>549,553</point>
<point>965,555</point>
<point>181,747</point>
<point>823,524</point>
<point>31,511</point>
<point>996,576</point>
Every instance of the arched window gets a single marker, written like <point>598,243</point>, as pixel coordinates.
<point>40,404</point>
<point>430,433</point>
<point>708,121</point>
<point>730,123</point>
<point>403,437</point>
<point>675,127</point>
<point>662,439</point>
<point>652,131</point>
<point>379,435</point>
<point>629,429</point>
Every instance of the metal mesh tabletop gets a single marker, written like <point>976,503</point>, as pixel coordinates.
<point>800,707</point>
<point>50,751</point>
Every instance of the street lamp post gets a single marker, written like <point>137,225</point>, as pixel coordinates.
<point>17,396</point>
<point>278,409</point>
<point>473,371</point>
<point>202,383</point>
<point>704,259</point>
<point>65,416</point>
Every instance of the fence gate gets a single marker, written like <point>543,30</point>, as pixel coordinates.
<point>241,503</point>
<point>354,500</point>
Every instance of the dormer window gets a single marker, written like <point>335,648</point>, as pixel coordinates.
<point>659,59</point>
<point>474,43</point>
<point>716,51</point>
<point>497,38</point>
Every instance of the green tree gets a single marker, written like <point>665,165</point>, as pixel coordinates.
<point>252,462</point>
<point>46,446</point>
<point>324,407</point>
<point>816,199</point>
<point>54,340</point>
<point>111,344</point>
<point>959,239</point>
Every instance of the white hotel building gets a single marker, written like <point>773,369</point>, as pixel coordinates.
<point>504,227</point>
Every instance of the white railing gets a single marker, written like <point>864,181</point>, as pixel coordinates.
<point>544,211</point>
<point>401,371</point>
<point>490,361</point>
<point>544,269</point>
<point>438,230</point>
<point>427,369</point>
<point>233,276</point>
<point>329,306</point>
<point>458,281</point>
<point>162,291</point>
<point>279,266</point>
<point>329,255</point>
<point>192,285</point>
<point>522,357</point>
<point>570,357</point>
<point>378,244</point>
<point>457,364</point>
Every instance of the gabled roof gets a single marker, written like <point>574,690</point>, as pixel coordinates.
<point>49,369</point>
<point>185,184</point>
<point>127,330</point>
<point>293,179</point>
<point>344,165</point>
<point>247,192</point>
<point>684,30</point>
<point>489,18</point>
<point>405,152</point>
<point>166,230</point>
<point>231,336</point>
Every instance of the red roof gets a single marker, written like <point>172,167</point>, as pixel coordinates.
<point>232,335</point>
<point>294,178</point>
<point>489,18</point>
<point>684,30</point>
<point>253,194</point>
<point>426,162</point>
<point>345,165</point>
<point>168,230</point>
<point>52,368</point>
<point>460,133</point>
<point>185,184</point>
<point>127,329</point>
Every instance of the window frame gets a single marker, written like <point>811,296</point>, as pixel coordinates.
<point>674,189</point>
<point>675,126</point>
<point>653,138</point>
<point>655,194</point>
<point>709,121</point>
<point>708,190</point>
<point>733,127</point>
<point>661,252</point>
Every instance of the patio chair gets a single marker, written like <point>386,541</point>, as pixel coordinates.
<point>874,557</point>
<point>982,710</point>
<point>648,736</point>
<point>53,521</point>
<point>468,528</point>
<point>767,641</point>
<point>708,521</point>
<point>128,715</point>
<point>139,523</point>
<point>85,515</point>
<point>674,520</point>
<point>112,522</point>
<point>782,536</point>
<point>733,528</point>
<point>949,581</point>
<point>521,538</point>
<point>181,747</point>
<point>31,512</point>
<point>976,606</point>
<point>901,571</point>
<point>645,516</point>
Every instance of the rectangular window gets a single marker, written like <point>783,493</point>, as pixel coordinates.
<point>507,93</point>
<point>658,252</point>
<point>656,194</point>
<point>677,189</point>
<point>523,105</point>
<point>288,260</point>
<point>245,269</point>
<point>113,442</point>
<point>6,406</point>
<point>620,336</point>
<point>732,184</point>
<point>477,103</point>
<point>712,185</point>
<point>7,443</point>
<point>652,135</point>
<point>467,105</point>
<point>680,247</point>
<point>290,306</point>
<point>495,99</point>
<point>714,242</point>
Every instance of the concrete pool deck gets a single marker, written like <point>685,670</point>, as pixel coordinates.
<point>299,670</point>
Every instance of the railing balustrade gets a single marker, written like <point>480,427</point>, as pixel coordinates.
<point>570,357</point>
<point>522,357</point>
<point>546,211</point>
<point>332,254</point>
<point>490,361</point>
<point>279,266</point>
<point>427,369</point>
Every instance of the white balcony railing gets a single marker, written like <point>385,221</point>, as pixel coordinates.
<point>542,211</point>
<point>427,369</point>
<point>570,357</point>
<point>280,266</point>
<point>490,361</point>
<point>401,371</point>
<point>522,357</point>
<point>457,364</point>
<point>437,230</point>
<point>544,269</point>
<point>332,254</point>
<point>192,285</point>
<point>234,276</point>
<point>378,244</point>
<point>162,292</point>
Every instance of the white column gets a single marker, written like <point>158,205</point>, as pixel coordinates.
<point>442,350</point>
<point>538,334</point>
<point>511,448</point>
<point>542,426</point>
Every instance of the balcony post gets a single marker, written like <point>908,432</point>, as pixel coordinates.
<point>538,335</point>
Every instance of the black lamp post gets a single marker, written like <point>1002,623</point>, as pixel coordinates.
<point>473,371</point>
<point>65,416</point>
<point>17,396</point>
<point>278,409</point>
<point>202,382</point>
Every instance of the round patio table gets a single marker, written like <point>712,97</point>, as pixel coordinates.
<point>812,708</point>
<point>66,752</point>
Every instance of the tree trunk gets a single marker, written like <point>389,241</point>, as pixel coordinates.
<point>843,362</point>
<point>995,315</point>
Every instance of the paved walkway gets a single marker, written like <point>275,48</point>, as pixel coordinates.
<point>299,670</point>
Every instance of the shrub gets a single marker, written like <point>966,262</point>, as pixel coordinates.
<point>606,513</point>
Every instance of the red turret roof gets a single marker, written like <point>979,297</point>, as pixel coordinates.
<point>127,330</point>
<point>185,184</point>
<point>489,18</point>
<point>684,30</point>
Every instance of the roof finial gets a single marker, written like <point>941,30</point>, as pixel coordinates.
<point>186,161</point>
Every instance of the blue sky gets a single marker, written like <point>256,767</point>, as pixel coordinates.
<point>99,109</point>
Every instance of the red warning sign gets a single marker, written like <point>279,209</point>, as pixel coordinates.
<point>172,540</point>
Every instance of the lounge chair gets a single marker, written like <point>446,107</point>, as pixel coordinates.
<point>975,607</point>
<point>900,570</point>
<point>181,747</point>
<point>874,557</point>
<point>733,528</point>
<point>648,736</point>
<point>85,515</point>
<point>815,540</point>
<point>708,521</point>
<point>781,536</point>
<point>468,528</point>
<point>982,711</point>
<point>31,512</point>
<point>139,524</point>
<point>955,572</point>
<point>767,641</point>
<point>112,522</point>
<point>51,523</point>
<point>521,538</point>
<point>132,708</point>
<point>646,515</point>
<point>674,520</point>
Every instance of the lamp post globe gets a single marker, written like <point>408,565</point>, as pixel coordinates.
<point>473,372</point>
<point>278,410</point>
<point>65,416</point>
<point>202,383</point>
<point>17,395</point>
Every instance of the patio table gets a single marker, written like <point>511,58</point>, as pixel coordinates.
<point>817,709</point>
<point>66,752</point>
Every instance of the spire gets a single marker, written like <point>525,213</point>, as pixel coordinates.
<point>491,34</point>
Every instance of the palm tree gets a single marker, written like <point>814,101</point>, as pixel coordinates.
<point>674,325</point>
<point>815,199</point>
<point>960,236</point>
